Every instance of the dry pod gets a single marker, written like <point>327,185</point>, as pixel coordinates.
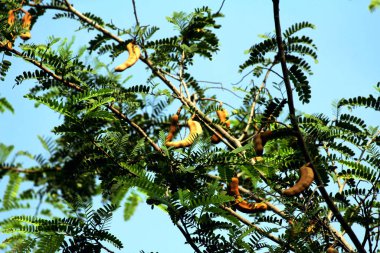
<point>331,250</point>
<point>260,140</point>
<point>241,204</point>
<point>195,130</point>
<point>222,115</point>
<point>11,17</point>
<point>173,127</point>
<point>305,180</point>
<point>233,189</point>
<point>246,207</point>
<point>134,55</point>
<point>26,22</point>
<point>6,43</point>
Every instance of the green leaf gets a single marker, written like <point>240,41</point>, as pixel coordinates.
<point>130,205</point>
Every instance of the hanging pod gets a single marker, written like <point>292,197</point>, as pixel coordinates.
<point>305,180</point>
<point>11,17</point>
<point>173,128</point>
<point>134,55</point>
<point>195,130</point>
<point>222,115</point>
<point>331,250</point>
<point>241,204</point>
<point>26,23</point>
<point>261,138</point>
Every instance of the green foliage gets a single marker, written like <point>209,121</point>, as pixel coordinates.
<point>75,234</point>
<point>374,5</point>
<point>5,105</point>
<point>130,205</point>
<point>295,48</point>
<point>111,142</point>
<point>369,101</point>
<point>4,67</point>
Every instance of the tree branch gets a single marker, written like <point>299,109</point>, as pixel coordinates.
<point>252,112</point>
<point>257,228</point>
<point>185,101</point>
<point>301,141</point>
<point>119,114</point>
<point>188,238</point>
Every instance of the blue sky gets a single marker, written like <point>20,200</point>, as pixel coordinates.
<point>346,34</point>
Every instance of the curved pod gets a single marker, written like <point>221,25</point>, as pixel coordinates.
<point>331,250</point>
<point>134,55</point>
<point>260,140</point>
<point>11,17</point>
<point>26,22</point>
<point>195,130</point>
<point>246,207</point>
<point>241,204</point>
<point>173,128</point>
<point>305,180</point>
<point>222,115</point>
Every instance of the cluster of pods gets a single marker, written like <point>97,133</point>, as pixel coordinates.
<point>26,22</point>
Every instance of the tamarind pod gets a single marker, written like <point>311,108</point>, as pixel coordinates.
<point>173,128</point>
<point>331,250</point>
<point>6,43</point>
<point>195,130</point>
<point>11,17</point>
<point>258,145</point>
<point>246,207</point>
<point>26,22</point>
<point>222,115</point>
<point>234,187</point>
<point>134,55</point>
<point>305,180</point>
<point>265,136</point>
<point>241,204</point>
<point>260,140</point>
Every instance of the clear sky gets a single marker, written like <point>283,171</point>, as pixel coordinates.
<point>347,36</point>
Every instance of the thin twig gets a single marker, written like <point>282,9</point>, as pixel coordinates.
<point>224,89</point>
<point>241,80</point>
<point>257,228</point>
<point>135,13</point>
<point>181,68</point>
<point>220,8</point>
<point>188,238</point>
<point>252,112</point>
<point>78,88</point>
<point>93,23</point>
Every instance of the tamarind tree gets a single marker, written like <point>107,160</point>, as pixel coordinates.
<point>256,176</point>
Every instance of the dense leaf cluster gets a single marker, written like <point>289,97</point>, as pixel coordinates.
<point>111,142</point>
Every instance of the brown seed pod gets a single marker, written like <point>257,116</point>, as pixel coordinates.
<point>260,140</point>
<point>195,130</point>
<point>241,204</point>
<point>246,207</point>
<point>331,250</point>
<point>173,127</point>
<point>11,17</point>
<point>26,22</point>
<point>233,189</point>
<point>6,43</point>
<point>222,115</point>
<point>134,55</point>
<point>305,180</point>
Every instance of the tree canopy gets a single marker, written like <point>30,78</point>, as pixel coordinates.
<point>253,175</point>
